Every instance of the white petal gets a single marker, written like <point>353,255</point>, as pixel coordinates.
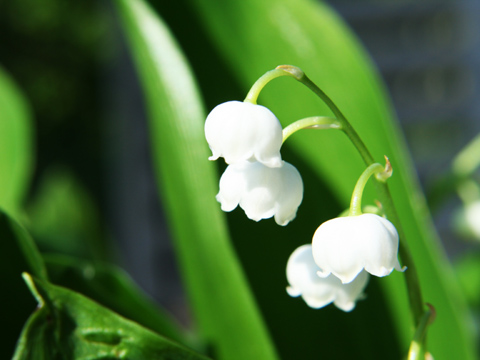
<point>240,131</point>
<point>291,195</point>
<point>345,246</point>
<point>347,294</point>
<point>345,306</point>
<point>261,191</point>
<point>319,292</point>
<point>293,292</point>
<point>317,302</point>
<point>232,187</point>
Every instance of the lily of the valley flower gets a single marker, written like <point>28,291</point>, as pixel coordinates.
<point>262,191</point>
<point>319,292</point>
<point>239,131</point>
<point>347,245</point>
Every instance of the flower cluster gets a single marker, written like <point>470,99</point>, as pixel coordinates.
<point>336,266</point>
<point>249,137</point>
<point>345,251</point>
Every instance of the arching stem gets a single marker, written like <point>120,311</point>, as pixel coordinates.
<point>382,174</point>
<point>315,122</point>
<point>411,276</point>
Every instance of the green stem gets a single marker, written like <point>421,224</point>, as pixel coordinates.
<point>315,122</point>
<point>411,276</point>
<point>356,202</point>
<point>252,95</point>
<point>300,76</point>
<point>417,346</point>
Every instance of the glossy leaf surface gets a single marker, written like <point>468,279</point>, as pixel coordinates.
<point>113,288</point>
<point>18,253</point>
<point>223,305</point>
<point>68,325</point>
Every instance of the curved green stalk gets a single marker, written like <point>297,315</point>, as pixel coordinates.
<point>315,122</point>
<point>252,95</point>
<point>382,174</point>
<point>412,282</point>
<point>417,347</point>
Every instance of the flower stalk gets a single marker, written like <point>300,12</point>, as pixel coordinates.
<point>417,346</point>
<point>257,87</point>
<point>381,173</point>
<point>314,122</point>
<point>411,276</point>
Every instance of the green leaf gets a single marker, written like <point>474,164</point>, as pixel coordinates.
<point>15,145</point>
<point>67,325</point>
<point>223,305</point>
<point>254,37</point>
<point>19,249</point>
<point>34,342</point>
<point>113,288</point>
<point>18,253</point>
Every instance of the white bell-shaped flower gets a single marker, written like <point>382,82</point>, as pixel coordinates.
<point>319,292</point>
<point>239,131</point>
<point>262,191</point>
<point>345,246</point>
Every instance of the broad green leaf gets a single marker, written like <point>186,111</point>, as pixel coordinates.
<point>67,325</point>
<point>34,341</point>
<point>113,288</point>
<point>223,305</point>
<point>19,249</point>
<point>18,253</point>
<point>15,145</point>
<point>254,37</point>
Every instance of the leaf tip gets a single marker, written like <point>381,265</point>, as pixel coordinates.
<point>33,288</point>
